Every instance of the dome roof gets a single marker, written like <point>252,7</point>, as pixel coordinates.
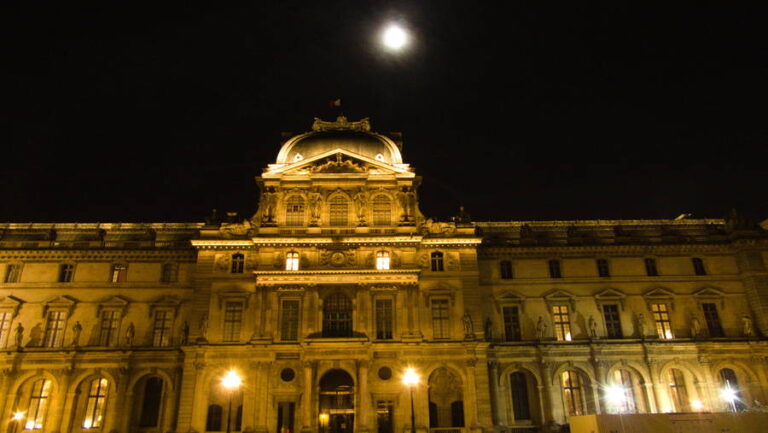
<point>354,137</point>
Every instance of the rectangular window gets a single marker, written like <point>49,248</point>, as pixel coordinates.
<point>5,328</point>
<point>110,325</point>
<point>161,328</point>
<point>38,405</point>
<point>238,263</point>
<point>505,270</point>
<point>678,390</point>
<point>289,319</point>
<point>713,320</point>
<point>554,269</point>
<point>602,268</point>
<point>661,317</point>
<point>650,268</point>
<point>698,266</point>
<point>385,416</point>
<point>119,273</point>
<point>170,273</point>
<point>54,328</point>
<point>562,322</point>
<point>612,321</point>
<point>383,319</point>
<point>292,261</point>
<point>12,273</point>
<point>233,319</point>
<point>511,323</point>
<point>440,319</point>
<point>285,414</point>
<point>436,259</point>
<point>66,272</point>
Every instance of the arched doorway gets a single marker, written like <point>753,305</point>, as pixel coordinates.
<point>148,397</point>
<point>446,399</point>
<point>337,402</point>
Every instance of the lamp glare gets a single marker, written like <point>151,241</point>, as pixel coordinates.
<point>231,381</point>
<point>394,37</point>
<point>410,378</point>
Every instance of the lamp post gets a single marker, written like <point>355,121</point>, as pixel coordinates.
<point>729,394</point>
<point>324,417</point>
<point>17,417</point>
<point>411,379</point>
<point>231,382</point>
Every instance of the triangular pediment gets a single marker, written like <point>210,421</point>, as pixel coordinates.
<point>61,302</point>
<point>559,294</point>
<point>339,161</point>
<point>660,293</point>
<point>511,296</point>
<point>12,304</point>
<point>708,292</point>
<point>610,294</point>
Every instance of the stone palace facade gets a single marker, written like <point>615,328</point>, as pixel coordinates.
<point>338,283</point>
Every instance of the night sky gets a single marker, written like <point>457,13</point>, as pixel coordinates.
<point>534,110</point>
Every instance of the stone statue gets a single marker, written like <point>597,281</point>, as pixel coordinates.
<point>695,327</point>
<point>469,329</point>
<point>185,334</point>
<point>19,335</point>
<point>361,203</point>
<point>203,327</point>
<point>270,201</point>
<point>592,323</point>
<point>488,329</point>
<point>641,325</point>
<point>315,205</point>
<point>130,333</point>
<point>77,329</point>
<point>747,327</point>
<point>541,328</point>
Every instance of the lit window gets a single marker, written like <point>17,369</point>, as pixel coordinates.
<point>661,317</point>
<point>119,273</point>
<point>95,406</point>
<point>338,208</point>
<point>12,273</point>
<point>292,261</point>
<point>54,328</point>
<point>602,268</point>
<point>650,268</point>
<point>382,260</point>
<point>562,322</point>
<point>436,260</point>
<point>161,328</point>
<point>110,324</point>
<point>233,318</point>
<point>505,270</point>
<point>38,405</point>
<point>573,391</point>
<point>554,269</point>
<point>698,266</point>
<point>238,263</point>
<point>66,272</point>
<point>294,212</point>
<point>382,211</point>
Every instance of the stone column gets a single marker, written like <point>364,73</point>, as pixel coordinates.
<point>552,394</point>
<point>306,400</point>
<point>261,378</point>
<point>189,384</point>
<point>470,394</point>
<point>496,398</point>
<point>707,390</point>
<point>364,408</point>
<point>658,387</point>
<point>117,408</point>
<point>600,370</point>
<point>57,416</point>
<point>652,404</point>
<point>7,395</point>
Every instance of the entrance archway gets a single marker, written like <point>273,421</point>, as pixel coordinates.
<point>337,402</point>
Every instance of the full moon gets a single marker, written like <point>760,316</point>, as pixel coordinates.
<point>394,37</point>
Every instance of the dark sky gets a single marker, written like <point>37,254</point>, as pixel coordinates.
<point>533,110</point>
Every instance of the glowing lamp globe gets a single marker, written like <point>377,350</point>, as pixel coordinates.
<point>394,37</point>
<point>410,378</point>
<point>231,381</point>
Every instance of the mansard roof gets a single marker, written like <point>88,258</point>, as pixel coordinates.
<point>355,137</point>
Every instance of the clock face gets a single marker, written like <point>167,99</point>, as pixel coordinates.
<point>338,258</point>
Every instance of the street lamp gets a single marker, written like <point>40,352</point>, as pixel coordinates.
<point>411,379</point>
<point>324,417</point>
<point>730,395</point>
<point>231,382</point>
<point>16,418</point>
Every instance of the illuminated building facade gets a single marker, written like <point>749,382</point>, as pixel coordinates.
<point>305,317</point>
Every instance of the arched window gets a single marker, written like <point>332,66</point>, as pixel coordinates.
<point>294,212</point>
<point>382,260</point>
<point>573,393</point>
<point>292,261</point>
<point>150,404</point>
<point>621,394</point>
<point>213,421</point>
<point>337,316</point>
<point>339,211</point>
<point>678,391</point>
<point>382,210</point>
<point>96,404</point>
<point>38,405</point>
<point>520,405</point>
<point>436,260</point>
<point>446,399</point>
<point>238,263</point>
<point>730,390</point>
<point>505,269</point>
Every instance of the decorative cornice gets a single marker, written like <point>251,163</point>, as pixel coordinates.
<point>363,277</point>
<point>186,255</point>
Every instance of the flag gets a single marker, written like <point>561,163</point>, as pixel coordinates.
<point>335,103</point>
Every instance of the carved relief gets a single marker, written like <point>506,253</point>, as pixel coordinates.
<point>338,165</point>
<point>222,262</point>
<point>342,124</point>
<point>337,258</point>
